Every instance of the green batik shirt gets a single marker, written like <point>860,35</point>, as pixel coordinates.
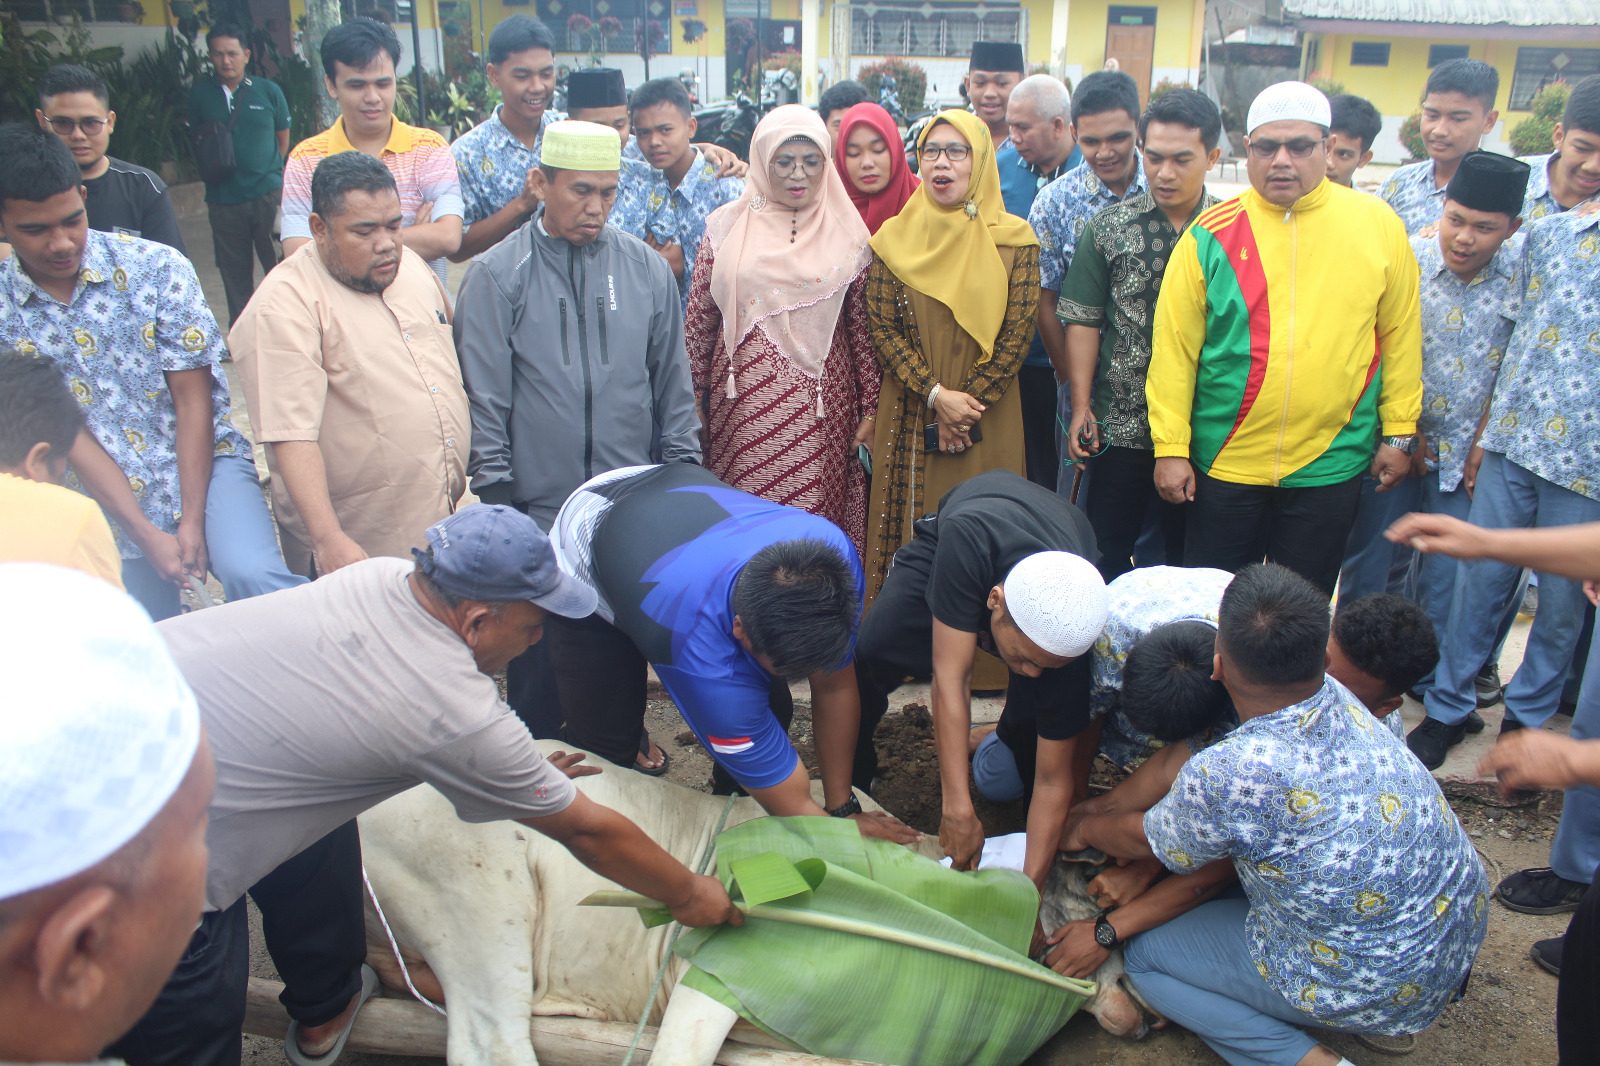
<point>1112,285</point>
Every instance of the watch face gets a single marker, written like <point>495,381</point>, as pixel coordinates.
<point>1104,935</point>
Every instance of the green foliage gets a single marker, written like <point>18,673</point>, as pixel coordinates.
<point>1329,87</point>
<point>841,912</point>
<point>788,59</point>
<point>910,81</point>
<point>1411,137</point>
<point>150,95</point>
<point>1535,135</point>
<point>24,57</point>
<point>1165,86</point>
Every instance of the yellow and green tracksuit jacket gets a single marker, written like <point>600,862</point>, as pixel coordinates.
<point>1285,340</point>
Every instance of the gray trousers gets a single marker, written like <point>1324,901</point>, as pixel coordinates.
<point>241,233</point>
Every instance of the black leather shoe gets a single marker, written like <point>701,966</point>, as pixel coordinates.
<point>1509,724</point>
<point>1474,723</point>
<point>1540,890</point>
<point>1432,740</point>
<point>1487,687</point>
<point>1547,953</point>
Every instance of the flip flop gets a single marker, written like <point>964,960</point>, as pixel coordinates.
<point>291,1039</point>
<point>644,749</point>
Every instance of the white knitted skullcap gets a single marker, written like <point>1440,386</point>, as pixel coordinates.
<point>1058,600</point>
<point>97,727</point>
<point>1289,100</point>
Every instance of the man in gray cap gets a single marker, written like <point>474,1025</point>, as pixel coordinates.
<point>326,702</point>
<point>104,779</point>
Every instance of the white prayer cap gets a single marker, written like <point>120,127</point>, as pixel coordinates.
<point>1058,600</point>
<point>97,727</point>
<point>1289,100</point>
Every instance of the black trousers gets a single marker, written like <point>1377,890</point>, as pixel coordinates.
<point>1231,526</point>
<point>239,234</point>
<point>311,910</point>
<point>1036,385</point>
<point>1578,992</point>
<point>1119,497</point>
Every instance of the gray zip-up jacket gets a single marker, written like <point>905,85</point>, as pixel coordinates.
<point>574,365</point>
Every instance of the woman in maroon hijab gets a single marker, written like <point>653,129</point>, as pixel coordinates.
<point>873,164</point>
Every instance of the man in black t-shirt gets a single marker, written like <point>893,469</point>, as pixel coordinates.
<point>120,197</point>
<point>1008,566</point>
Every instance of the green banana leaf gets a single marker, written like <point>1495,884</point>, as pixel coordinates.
<point>862,949</point>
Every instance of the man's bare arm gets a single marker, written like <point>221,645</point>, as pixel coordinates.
<point>300,465</point>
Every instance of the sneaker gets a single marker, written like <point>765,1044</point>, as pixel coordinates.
<point>1432,740</point>
<point>1488,687</point>
<point>1530,602</point>
<point>1566,707</point>
<point>1474,723</point>
<point>1540,890</point>
<point>1509,724</point>
<point>1547,953</point>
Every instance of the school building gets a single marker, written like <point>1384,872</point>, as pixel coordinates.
<point>1383,50</point>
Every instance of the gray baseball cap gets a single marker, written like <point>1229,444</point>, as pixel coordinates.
<point>497,554</point>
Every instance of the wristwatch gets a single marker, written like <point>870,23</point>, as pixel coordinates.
<point>1104,934</point>
<point>1407,444</point>
<point>847,808</point>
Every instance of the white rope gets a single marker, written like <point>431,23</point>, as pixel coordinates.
<point>405,971</point>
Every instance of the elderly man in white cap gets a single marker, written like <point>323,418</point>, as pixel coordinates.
<point>1287,355</point>
<point>330,699</point>
<point>1008,566</point>
<point>104,779</point>
<point>571,339</point>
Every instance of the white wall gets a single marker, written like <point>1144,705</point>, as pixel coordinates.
<point>1175,75</point>
<point>133,39</point>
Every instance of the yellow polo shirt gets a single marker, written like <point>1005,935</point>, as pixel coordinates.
<point>41,523</point>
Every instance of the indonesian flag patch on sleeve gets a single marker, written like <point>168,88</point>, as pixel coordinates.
<point>731,745</point>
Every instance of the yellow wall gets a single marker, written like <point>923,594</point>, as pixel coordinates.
<point>1177,42</point>
<point>1397,88</point>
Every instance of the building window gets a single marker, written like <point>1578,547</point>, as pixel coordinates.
<point>1369,54</point>
<point>931,30</point>
<point>1117,15</point>
<point>1538,67</point>
<point>1441,53</point>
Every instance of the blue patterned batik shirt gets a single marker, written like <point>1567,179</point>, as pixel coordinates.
<point>137,312</point>
<point>1465,328</point>
<point>1545,416</point>
<point>1539,201</point>
<point>1140,601</point>
<point>685,208</point>
<point>1367,900</point>
<point>1063,208</point>
<point>638,210</point>
<point>1413,195</point>
<point>493,165</point>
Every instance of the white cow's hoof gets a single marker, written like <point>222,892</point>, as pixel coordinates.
<point>692,1029</point>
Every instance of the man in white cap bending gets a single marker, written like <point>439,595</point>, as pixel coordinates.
<point>104,779</point>
<point>1008,566</point>
<point>1287,355</point>
<point>327,701</point>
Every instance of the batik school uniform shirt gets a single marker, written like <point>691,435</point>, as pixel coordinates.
<point>137,312</point>
<point>1139,601</point>
<point>492,164</point>
<point>1063,209</point>
<point>682,212</point>
<point>1114,280</point>
<point>1545,416</point>
<point>420,160</point>
<point>662,547</point>
<point>1367,900</point>
<point>1538,201</point>
<point>1414,196</point>
<point>1465,329</point>
<point>637,209</point>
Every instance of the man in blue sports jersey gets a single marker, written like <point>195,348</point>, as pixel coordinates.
<point>728,596</point>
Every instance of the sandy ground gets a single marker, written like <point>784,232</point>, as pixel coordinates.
<point>1508,1015</point>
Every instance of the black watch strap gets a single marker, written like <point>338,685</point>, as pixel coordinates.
<point>847,808</point>
<point>1105,934</point>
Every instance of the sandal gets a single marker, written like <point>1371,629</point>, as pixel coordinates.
<point>291,1039</point>
<point>644,751</point>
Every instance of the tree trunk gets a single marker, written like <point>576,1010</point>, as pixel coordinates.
<point>321,16</point>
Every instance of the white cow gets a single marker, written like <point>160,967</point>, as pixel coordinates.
<point>487,917</point>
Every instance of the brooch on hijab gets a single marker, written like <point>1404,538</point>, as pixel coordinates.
<point>970,208</point>
<point>758,202</point>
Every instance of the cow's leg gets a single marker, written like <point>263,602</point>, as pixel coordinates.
<point>692,1030</point>
<point>1066,898</point>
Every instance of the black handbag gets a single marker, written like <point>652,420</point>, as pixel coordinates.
<point>213,145</point>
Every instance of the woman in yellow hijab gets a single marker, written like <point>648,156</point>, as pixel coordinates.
<point>951,300</point>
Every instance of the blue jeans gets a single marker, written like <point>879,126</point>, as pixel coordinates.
<point>241,541</point>
<point>994,770</point>
<point>1372,563</point>
<point>1511,497</point>
<point>1198,971</point>
<point>1575,852</point>
<point>1436,576</point>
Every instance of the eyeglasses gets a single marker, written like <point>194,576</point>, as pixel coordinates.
<point>785,165</point>
<point>1299,149</point>
<point>65,125</point>
<point>953,152</point>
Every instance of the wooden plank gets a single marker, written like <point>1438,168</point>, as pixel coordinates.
<point>405,1027</point>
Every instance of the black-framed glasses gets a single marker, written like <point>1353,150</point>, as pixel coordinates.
<point>953,152</point>
<point>65,124</point>
<point>785,165</point>
<point>1299,148</point>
